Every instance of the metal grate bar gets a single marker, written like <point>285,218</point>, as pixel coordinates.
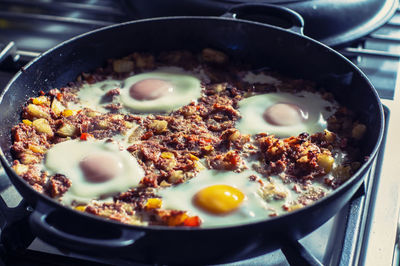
<point>27,53</point>
<point>384,38</point>
<point>50,18</point>
<point>375,53</point>
<point>393,24</point>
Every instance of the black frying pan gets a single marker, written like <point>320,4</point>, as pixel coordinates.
<point>252,42</point>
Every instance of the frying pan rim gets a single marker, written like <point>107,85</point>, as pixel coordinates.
<point>353,179</point>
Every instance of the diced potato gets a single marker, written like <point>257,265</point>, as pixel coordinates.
<point>220,87</point>
<point>129,124</point>
<point>169,165</point>
<point>294,207</point>
<point>176,176</point>
<point>92,113</point>
<point>326,162</point>
<point>158,126</point>
<point>29,158</point>
<point>20,169</point>
<point>167,155</point>
<point>41,100</point>
<point>153,203</point>
<point>103,124</point>
<point>67,130</point>
<point>57,107</point>
<point>342,171</point>
<point>164,184</point>
<point>214,56</point>
<point>37,111</point>
<point>136,133</point>
<point>192,157</point>
<point>37,148</point>
<point>41,125</point>
<point>188,110</point>
<point>358,131</point>
<point>234,136</point>
<point>27,122</point>
<point>68,112</point>
<point>123,66</point>
<point>144,61</point>
<point>208,148</point>
<point>303,159</point>
<point>117,117</point>
<point>80,208</point>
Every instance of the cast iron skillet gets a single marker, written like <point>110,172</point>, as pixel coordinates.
<point>252,42</point>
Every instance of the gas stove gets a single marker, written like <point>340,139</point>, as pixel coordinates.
<point>364,232</point>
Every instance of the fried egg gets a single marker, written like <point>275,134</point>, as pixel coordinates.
<point>97,169</point>
<point>284,114</point>
<point>162,90</point>
<point>92,95</point>
<point>218,197</point>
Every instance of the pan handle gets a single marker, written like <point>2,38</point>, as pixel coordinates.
<point>268,14</point>
<point>41,227</point>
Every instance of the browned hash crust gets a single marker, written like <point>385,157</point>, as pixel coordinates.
<point>170,147</point>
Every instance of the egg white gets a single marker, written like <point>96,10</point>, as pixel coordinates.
<point>186,88</point>
<point>64,158</point>
<point>253,208</point>
<point>253,108</point>
<point>91,95</point>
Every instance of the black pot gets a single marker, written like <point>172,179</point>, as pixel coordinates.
<point>332,22</point>
<point>255,43</point>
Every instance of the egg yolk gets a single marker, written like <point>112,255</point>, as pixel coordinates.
<point>100,167</point>
<point>150,89</point>
<point>284,114</point>
<point>219,199</point>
